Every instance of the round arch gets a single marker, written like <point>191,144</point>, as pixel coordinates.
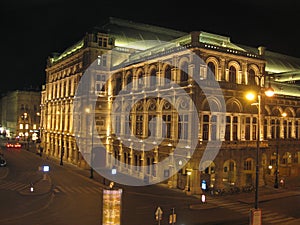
<point>237,67</point>
<point>234,105</point>
<point>216,63</point>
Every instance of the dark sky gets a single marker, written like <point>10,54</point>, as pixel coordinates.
<point>32,29</point>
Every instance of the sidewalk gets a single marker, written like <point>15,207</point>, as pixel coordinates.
<point>265,194</point>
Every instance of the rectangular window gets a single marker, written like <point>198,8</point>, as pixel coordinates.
<point>152,126</point>
<point>21,126</point>
<point>104,60</point>
<point>183,127</point>
<point>100,41</point>
<point>26,126</point>
<point>118,125</point>
<point>139,125</point>
<point>104,42</point>
<point>166,132</point>
<point>248,165</point>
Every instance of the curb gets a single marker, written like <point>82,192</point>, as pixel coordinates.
<point>4,172</point>
<point>203,206</point>
<point>272,196</point>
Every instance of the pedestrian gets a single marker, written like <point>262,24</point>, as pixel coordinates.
<point>41,151</point>
<point>62,155</point>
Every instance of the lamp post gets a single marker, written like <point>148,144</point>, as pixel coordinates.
<point>251,96</point>
<point>269,92</point>
<point>87,110</point>
<point>257,149</point>
<point>92,170</point>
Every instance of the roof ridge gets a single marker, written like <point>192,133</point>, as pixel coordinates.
<point>144,26</point>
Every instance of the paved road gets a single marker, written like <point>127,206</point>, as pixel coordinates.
<point>68,194</point>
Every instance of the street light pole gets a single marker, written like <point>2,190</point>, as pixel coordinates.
<point>276,185</point>
<point>255,218</point>
<point>92,170</point>
<point>257,149</point>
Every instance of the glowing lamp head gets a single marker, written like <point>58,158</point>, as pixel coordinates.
<point>250,96</point>
<point>269,92</point>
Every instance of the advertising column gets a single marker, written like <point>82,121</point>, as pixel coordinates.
<point>111,207</point>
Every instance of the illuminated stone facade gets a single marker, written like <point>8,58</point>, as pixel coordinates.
<point>21,114</point>
<point>236,68</point>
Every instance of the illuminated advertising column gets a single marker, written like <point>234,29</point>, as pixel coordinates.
<point>111,207</point>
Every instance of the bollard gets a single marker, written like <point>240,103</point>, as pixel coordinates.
<point>31,187</point>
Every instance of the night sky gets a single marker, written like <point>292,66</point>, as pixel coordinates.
<point>32,29</point>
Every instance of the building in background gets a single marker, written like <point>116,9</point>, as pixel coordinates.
<point>20,114</point>
<point>157,67</point>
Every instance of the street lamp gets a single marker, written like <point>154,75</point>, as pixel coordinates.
<point>251,96</point>
<point>87,110</point>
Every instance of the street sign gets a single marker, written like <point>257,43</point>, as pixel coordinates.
<point>158,213</point>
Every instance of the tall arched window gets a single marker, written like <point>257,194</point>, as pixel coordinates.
<point>167,118</point>
<point>211,71</point>
<point>168,74</point>
<point>153,78</point>
<point>232,74</point>
<point>139,120</point>
<point>140,78</point>
<point>184,72</point>
<point>129,81</point>
<point>251,77</point>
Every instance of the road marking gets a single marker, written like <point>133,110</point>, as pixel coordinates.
<point>284,220</point>
<point>13,186</point>
<point>78,189</point>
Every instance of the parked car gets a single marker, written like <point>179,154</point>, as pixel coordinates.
<point>13,145</point>
<point>2,161</point>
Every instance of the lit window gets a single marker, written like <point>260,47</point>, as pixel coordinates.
<point>34,126</point>
<point>21,126</point>
<point>104,60</point>
<point>26,126</point>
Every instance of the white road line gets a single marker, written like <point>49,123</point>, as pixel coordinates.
<point>283,220</point>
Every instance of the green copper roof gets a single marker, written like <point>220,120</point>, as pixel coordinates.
<point>277,62</point>
<point>128,32</point>
<point>282,88</point>
<point>218,40</point>
<point>68,51</point>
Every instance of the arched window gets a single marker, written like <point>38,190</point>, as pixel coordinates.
<point>184,72</point>
<point>211,71</point>
<point>139,120</point>
<point>153,78</point>
<point>168,76</point>
<point>251,77</point>
<point>140,78</point>
<point>167,118</point>
<point>118,85</point>
<point>232,74</point>
<point>129,80</point>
